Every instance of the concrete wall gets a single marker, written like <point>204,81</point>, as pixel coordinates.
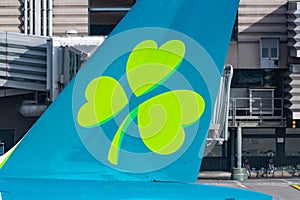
<point>257,19</point>
<point>67,14</point>
<point>70,14</point>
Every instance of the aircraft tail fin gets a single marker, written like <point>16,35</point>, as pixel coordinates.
<point>140,107</point>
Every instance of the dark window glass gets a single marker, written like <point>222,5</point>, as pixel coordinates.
<point>104,15</point>
<point>259,146</point>
<point>274,53</point>
<point>292,147</point>
<point>102,23</point>
<point>265,53</point>
<point>111,3</point>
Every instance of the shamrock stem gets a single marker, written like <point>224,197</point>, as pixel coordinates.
<point>113,154</point>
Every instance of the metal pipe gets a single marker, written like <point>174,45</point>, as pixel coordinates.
<point>31,17</point>
<point>239,147</point>
<point>37,18</point>
<point>50,17</point>
<point>44,11</point>
<point>26,17</point>
<point>32,109</point>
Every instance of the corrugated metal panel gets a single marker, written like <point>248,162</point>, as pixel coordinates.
<point>70,14</point>
<point>10,15</point>
<point>294,28</point>
<point>258,18</point>
<point>23,61</point>
<point>292,89</point>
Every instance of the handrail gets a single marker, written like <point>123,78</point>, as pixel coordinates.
<point>254,108</point>
<point>219,121</point>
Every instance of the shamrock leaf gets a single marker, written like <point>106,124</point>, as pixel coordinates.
<point>161,119</point>
<point>161,122</point>
<point>106,98</point>
<point>149,66</point>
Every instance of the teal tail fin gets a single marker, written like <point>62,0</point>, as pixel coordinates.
<point>140,108</point>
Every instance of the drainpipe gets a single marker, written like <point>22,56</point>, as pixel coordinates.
<point>44,11</point>
<point>31,17</point>
<point>50,17</point>
<point>25,17</point>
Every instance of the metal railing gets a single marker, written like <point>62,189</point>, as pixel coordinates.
<point>218,131</point>
<point>256,109</point>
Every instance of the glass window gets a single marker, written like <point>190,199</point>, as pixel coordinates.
<point>292,147</point>
<point>269,48</point>
<point>274,53</point>
<point>264,53</point>
<point>247,77</point>
<point>259,146</point>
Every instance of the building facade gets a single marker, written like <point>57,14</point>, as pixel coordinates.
<point>264,91</point>
<point>264,52</point>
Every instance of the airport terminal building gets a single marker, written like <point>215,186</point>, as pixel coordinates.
<point>43,43</point>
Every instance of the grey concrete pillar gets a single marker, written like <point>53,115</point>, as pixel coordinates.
<point>239,147</point>
<point>239,173</point>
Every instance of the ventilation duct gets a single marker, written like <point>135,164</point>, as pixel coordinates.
<point>29,108</point>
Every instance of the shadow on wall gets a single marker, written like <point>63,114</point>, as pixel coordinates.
<point>256,21</point>
<point>10,117</point>
<point>21,16</point>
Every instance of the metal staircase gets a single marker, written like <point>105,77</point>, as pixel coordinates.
<point>218,131</point>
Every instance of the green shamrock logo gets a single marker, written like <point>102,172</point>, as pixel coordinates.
<point>161,119</point>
